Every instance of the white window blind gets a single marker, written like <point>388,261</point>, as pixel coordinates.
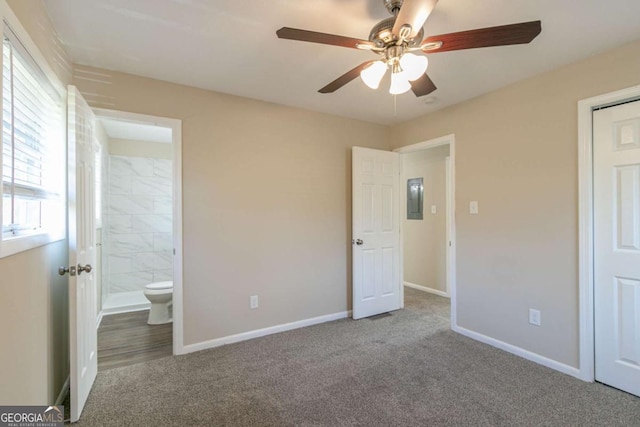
<point>32,149</point>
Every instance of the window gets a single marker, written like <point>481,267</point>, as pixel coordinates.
<point>33,152</point>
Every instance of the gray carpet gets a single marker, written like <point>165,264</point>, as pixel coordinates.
<point>406,369</point>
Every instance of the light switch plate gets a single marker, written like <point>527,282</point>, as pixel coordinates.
<point>473,207</point>
<point>434,209</point>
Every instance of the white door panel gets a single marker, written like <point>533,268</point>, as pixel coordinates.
<point>617,246</point>
<point>82,251</point>
<point>376,224</point>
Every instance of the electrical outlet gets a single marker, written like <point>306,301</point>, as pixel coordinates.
<point>434,209</point>
<point>535,318</point>
<point>253,301</point>
<point>473,207</point>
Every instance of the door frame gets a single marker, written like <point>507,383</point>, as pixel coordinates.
<point>585,222</point>
<point>449,140</point>
<point>176,134</point>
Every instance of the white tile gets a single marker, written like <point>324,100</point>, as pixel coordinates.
<point>119,184</point>
<point>162,205</point>
<point>163,260</point>
<point>118,224</point>
<point>131,243</point>
<point>153,223</point>
<point>128,282</point>
<point>120,264</point>
<point>163,168</point>
<point>119,166</point>
<point>168,181</point>
<point>142,166</point>
<point>144,261</point>
<point>163,242</point>
<point>131,166</point>
<point>138,223</point>
<point>162,275</point>
<point>121,204</point>
<point>156,186</point>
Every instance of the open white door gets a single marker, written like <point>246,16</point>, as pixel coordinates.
<point>82,302</point>
<point>616,210</point>
<point>376,232</point>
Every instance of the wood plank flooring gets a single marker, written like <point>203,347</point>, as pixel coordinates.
<point>125,339</point>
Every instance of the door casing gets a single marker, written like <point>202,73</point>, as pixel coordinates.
<point>586,370</point>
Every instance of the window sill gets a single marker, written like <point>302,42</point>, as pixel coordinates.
<point>15,245</point>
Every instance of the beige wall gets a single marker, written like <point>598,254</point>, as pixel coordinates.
<point>424,241</point>
<point>33,16</point>
<point>33,313</point>
<point>516,154</point>
<point>266,202</point>
<point>134,148</point>
<point>34,356</point>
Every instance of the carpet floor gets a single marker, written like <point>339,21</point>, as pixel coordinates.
<point>405,369</point>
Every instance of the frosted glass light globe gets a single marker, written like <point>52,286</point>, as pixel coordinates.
<point>399,84</point>
<point>372,75</point>
<point>413,66</point>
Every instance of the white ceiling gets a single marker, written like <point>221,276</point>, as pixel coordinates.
<point>231,46</point>
<point>122,129</point>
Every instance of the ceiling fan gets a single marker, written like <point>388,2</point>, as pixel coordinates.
<point>394,39</point>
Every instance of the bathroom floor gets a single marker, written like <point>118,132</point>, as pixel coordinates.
<point>125,339</point>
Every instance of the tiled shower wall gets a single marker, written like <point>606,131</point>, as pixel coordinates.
<point>138,222</point>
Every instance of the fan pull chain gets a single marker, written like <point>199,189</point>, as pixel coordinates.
<point>395,105</point>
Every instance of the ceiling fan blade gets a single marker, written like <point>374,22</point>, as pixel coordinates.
<point>423,86</point>
<point>345,78</point>
<point>503,35</point>
<point>323,38</point>
<point>413,13</point>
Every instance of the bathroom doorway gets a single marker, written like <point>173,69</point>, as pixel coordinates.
<point>138,205</point>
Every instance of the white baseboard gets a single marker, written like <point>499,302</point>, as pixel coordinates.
<point>526,354</point>
<point>265,331</point>
<point>425,289</point>
<point>63,393</point>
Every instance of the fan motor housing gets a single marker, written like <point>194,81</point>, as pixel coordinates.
<point>382,34</point>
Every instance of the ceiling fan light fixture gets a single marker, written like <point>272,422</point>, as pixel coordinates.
<point>413,66</point>
<point>372,75</point>
<point>399,83</point>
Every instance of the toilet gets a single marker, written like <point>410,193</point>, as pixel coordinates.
<point>160,294</point>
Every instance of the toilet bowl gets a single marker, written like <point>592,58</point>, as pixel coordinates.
<point>160,294</point>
